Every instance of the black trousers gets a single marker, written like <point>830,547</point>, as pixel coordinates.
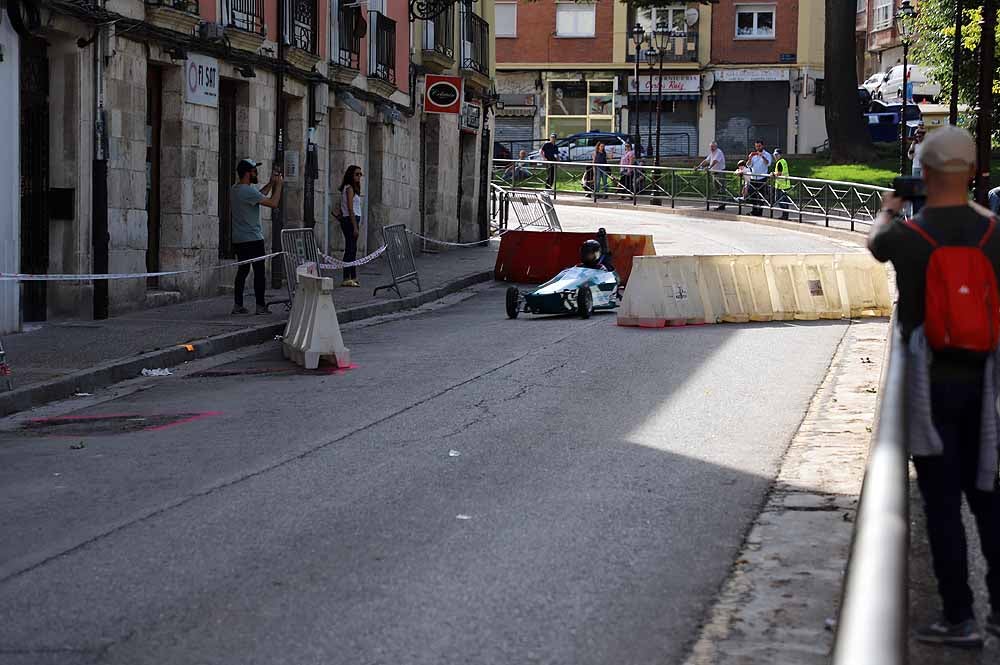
<point>758,195</point>
<point>550,178</point>
<point>957,407</point>
<point>244,251</point>
<point>350,244</point>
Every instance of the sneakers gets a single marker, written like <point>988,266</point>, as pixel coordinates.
<point>262,309</point>
<point>964,635</point>
<point>993,624</point>
<point>240,309</point>
<point>351,282</point>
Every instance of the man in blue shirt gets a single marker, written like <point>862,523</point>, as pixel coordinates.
<point>248,235</point>
<point>759,162</point>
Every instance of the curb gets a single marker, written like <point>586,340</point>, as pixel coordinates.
<point>114,371</point>
<point>804,227</point>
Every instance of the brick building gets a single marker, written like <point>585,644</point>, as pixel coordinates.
<point>878,44</point>
<point>733,71</point>
<point>133,115</point>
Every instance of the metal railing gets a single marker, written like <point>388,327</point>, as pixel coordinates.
<point>350,29</point>
<point>245,15</point>
<point>382,63</point>
<point>189,6</point>
<point>829,202</point>
<point>475,42</point>
<point>872,628</point>
<point>304,25</point>
<point>439,34</point>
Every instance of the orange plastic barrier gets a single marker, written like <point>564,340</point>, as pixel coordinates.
<point>533,257</point>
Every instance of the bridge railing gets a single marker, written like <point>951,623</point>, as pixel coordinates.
<point>832,203</point>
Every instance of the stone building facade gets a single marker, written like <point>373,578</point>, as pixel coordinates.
<point>129,155</point>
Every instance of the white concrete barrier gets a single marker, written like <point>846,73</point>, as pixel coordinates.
<point>313,331</point>
<point>738,288</point>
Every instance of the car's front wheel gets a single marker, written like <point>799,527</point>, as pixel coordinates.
<point>584,302</point>
<point>513,302</point>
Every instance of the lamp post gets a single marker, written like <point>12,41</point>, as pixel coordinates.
<point>661,39</point>
<point>650,54</point>
<point>638,35</point>
<point>905,24</point>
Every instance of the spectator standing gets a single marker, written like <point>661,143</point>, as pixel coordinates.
<point>627,167</point>
<point>952,371</point>
<point>350,220</point>
<point>517,170</point>
<point>550,153</point>
<point>743,178</point>
<point>715,161</point>
<point>916,145</point>
<point>781,183</point>
<point>600,169</point>
<point>759,162</point>
<point>245,201</point>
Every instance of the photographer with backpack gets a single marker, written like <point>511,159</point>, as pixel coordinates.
<point>947,260</point>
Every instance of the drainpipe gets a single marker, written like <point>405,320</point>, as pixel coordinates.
<point>278,216</point>
<point>312,163</point>
<point>99,185</point>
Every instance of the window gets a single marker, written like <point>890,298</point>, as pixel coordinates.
<point>506,19</point>
<point>573,20</point>
<point>754,21</point>
<point>883,14</point>
<point>672,15</point>
<point>862,6</point>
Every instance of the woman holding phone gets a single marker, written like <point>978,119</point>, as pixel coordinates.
<point>350,220</point>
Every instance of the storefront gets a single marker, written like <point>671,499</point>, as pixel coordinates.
<point>515,126</point>
<point>574,106</point>
<point>750,104</point>
<point>678,117</point>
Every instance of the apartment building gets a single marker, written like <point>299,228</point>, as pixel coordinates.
<point>132,114</point>
<point>878,43</point>
<point>732,71</point>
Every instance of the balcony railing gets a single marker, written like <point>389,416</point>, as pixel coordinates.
<point>350,29</point>
<point>303,20</point>
<point>244,14</point>
<point>382,60</point>
<point>439,34</point>
<point>681,47</point>
<point>475,42</point>
<point>189,6</point>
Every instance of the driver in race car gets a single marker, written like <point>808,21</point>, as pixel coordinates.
<point>591,255</point>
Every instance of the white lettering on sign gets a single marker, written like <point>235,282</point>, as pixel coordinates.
<point>772,74</point>
<point>202,80</point>
<point>671,83</point>
<point>292,165</point>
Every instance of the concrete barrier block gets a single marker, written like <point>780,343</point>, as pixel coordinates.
<point>313,331</point>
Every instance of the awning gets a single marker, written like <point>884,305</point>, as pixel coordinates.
<point>516,112</point>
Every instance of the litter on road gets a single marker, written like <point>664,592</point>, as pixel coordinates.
<point>454,453</point>
<point>157,372</point>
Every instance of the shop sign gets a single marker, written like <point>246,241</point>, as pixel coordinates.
<point>442,94</point>
<point>769,74</point>
<point>672,83</point>
<point>471,117</point>
<point>202,80</point>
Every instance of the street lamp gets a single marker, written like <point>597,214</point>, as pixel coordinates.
<point>638,36</point>
<point>661,40</point>
<point>905,26</point>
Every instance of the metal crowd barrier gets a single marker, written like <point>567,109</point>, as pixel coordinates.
<point>833,203</point>
<point>400,255</point>
<point>299,247</point>
<point>873,627</point>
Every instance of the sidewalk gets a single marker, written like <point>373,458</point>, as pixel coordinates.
<point>55,359</point>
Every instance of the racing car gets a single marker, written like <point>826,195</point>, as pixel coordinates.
<point>580,290</point>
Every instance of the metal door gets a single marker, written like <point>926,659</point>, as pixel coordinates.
<point>34,123</point>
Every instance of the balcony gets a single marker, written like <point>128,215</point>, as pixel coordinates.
<point>475,48</point>
<point>439,41</point>
<point>681,47</point>
<point>244,21</point>
<point>303,52</point>
<point>177,15</point>
<point>345,61</point>
<point>382,54</point>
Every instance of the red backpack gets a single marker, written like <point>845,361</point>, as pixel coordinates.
<point>962,304</point>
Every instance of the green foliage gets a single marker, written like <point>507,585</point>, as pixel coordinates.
<point>933,48</point>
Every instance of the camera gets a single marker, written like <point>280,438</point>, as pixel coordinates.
<point>910,188</point>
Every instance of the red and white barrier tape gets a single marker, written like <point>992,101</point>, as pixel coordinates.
<point>337,264</point>
<point>21,277</point>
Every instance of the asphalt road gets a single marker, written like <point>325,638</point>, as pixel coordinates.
<point>600,486</point>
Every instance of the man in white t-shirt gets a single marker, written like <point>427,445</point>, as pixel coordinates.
<point>715,161</point>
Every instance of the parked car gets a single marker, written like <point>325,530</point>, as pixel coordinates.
<point>923,89</point>
<point>580,147</point>
<point>873,83</point>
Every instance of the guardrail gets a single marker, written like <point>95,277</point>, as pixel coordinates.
<point>834,203</point>
<point>872,629</point>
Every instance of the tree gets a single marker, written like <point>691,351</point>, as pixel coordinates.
<point>849,139</point>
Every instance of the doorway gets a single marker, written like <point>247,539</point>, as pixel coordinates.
<point>227,163</point>
<point>34,159</point>
<point>154,117</point>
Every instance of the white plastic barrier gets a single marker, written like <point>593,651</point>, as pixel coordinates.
<point>313,331</point>
<point>737,288</point>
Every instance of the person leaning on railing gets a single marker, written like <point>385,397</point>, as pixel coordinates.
<point>517,171</point>
<point>947,260</point>
<point>781,183</point>
<point>715,161</point>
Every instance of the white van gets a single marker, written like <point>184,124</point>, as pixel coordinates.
<point>923,88</point>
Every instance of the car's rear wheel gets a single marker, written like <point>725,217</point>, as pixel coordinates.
<point>584,302</point>
<point>513,302</point>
